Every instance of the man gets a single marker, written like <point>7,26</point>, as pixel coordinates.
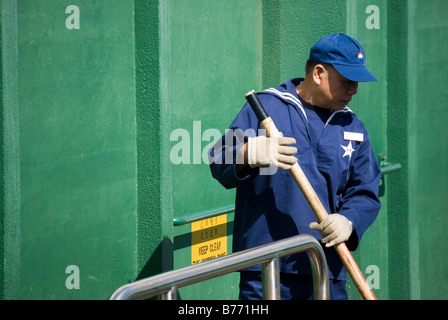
<point>333,149</point>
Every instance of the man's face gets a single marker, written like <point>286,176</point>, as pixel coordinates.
<point>335,90</point>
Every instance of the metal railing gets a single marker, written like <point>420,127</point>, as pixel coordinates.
<point>193,217</point>
<point>268,255</point>
<point>387,167</point>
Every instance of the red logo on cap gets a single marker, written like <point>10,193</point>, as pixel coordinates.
<point>360,56</point>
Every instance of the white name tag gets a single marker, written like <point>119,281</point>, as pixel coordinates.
<point>354,136</point>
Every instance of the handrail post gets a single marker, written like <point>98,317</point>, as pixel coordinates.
<point>271,279</point>
<point>321,285</point>
<point>170,294</point>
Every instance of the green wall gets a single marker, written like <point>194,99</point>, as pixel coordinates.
<point>221,58</point>
<point>428,146</point>
<point>220,62</point>
<point>91,114</point>
<point>71,123</point>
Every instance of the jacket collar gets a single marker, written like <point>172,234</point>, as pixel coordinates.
<point>287,92</point>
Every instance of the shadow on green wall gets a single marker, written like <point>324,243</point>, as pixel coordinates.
<point>160,261</point>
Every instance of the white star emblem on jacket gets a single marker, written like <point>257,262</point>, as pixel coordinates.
<point>348,150</point>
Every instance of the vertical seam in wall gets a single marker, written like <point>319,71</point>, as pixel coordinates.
<point>414,267</point>
<point>165,127</point>
<point>135,253</point>
<point>270,43</point>
<point>398,126</point>
<point>352,22</point>
<point>146,34</point>
<point>11,263</point>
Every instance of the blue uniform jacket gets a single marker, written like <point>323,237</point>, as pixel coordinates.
<point>341,167</point>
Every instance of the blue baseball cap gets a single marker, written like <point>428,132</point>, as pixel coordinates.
<point>345,54</point>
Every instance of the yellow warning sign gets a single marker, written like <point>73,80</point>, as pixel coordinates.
<point>208,239</point>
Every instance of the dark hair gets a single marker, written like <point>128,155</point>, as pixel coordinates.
<point>310,64</point>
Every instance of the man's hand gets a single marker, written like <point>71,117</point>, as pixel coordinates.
<point>263,151</point>
<point>334,229</point>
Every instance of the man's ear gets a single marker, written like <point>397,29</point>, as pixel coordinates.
<point>318,71</point>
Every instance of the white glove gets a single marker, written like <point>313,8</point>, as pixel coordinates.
<point>263,151</point>
<point>334,229</point>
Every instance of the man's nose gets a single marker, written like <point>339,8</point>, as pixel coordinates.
<point>352,88</point>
